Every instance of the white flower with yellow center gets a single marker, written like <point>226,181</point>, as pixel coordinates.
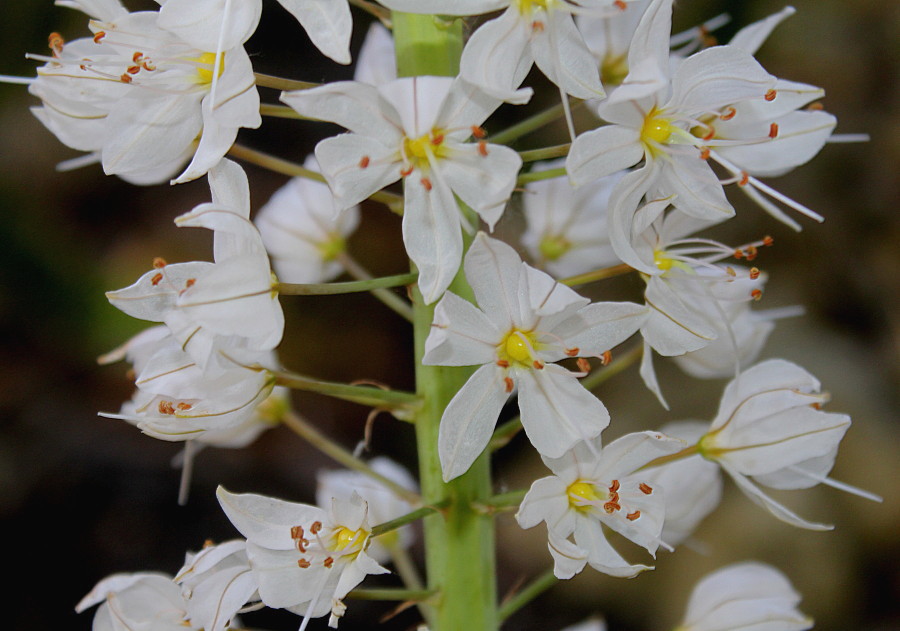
<point>415,129</point>
<point>524,322</point>
<point>594,486</point>
<point>306,559</point>
<point>138,98</point>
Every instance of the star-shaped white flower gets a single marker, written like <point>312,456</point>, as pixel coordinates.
<point>416,129</point>
<point>524,322</point>
<point>592,487</point>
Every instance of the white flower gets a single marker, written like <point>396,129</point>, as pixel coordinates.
<point>376,63</point>
<point>137,601</point>
<point>221,24</point>
<point>591,487</point>
<point>770,431</point>
<point>524,321</point>
<point>216,583</point>
<point>202,302</point>
<point>384,505</point>
<point>415,129</point>
<point>566,229</point>
<point>303,231</point>
<point>744,596</point>
<point>138,97</point>
<point>306,559</point>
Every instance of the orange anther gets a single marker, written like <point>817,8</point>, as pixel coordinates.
<point>303,563</point>
<point>315,527</point>
<point>633,516</point>
<point>125,78</point>
<point>482,148</point>
<point>745,179</point>
<point>816,406</point>
<point>754,273</point>
<point>99,35</point>
<point>364,162</point>
<point>739,254</point>
<point>573,352</point>
<point>704,153</point>
<point>770,95</point>
<point>478,132</point>
<point>751,252</point>
<point>729,113</point>
<point>614,486</point>
<point>184,407</point>
<point>614,498</point>
<point>296,532</point>
<point>508,383</point>
<point>426,183</point>
<point>710,134</point>
<point>538,364</point>
<point>328,562</point>
<point>645,488</point>
<point>166,407</point>
<point>437,140</point>
<point>583,364</point>
<point>209,543</point>
<point>136,57</point>
<point>503,363</point>
<point>156,278</point>
<point>406,171</point>
<point>620,5</point>
<point>538,26</point>
<point>773,130</point>
<point>768,241</point>
<point>159,262</point>
<point>56,42</point>
<point>611,507</point>
<point>148,65</point>
<point>756,294</point>
<point>606,357</point>
<point>815,107</point>
<point>133,69</point>
<point>189,283</point>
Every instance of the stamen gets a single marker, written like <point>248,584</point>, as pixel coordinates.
<point>645,488</point>
<point>745,179</point>
<point>364,162</point>
<point>56,43</point>
<point>770,95</point>
<point>583,365</point>
<point>508,382</point>
<point>730,271</point>
<point>315,527</point>
<point>633,516</point>
<point>573,352</point>
<point>606,357</point>
<point>405,172</point>
<point>704,153</point>
<point>729,113</point>
<point>99,35</point>
<point>303,563</point>
<point>437,140</point>
<point>156,278</point>
<point>166,407</point>
<point>537,26</point>
<point>611,507</point>
<point>538,364</point>
<point>614,486</point>
<point>620,5</point>
<point>503,363</point>
<point>328,562</point>
<point>773,130</point>
<point>482,148</point>
<point>768,241</point>
<point>125,78</point>
<point>159,262</point>
<point>756,294</point>
<point>754,273</point>
<point>478,132</point>
<point>426,183</point>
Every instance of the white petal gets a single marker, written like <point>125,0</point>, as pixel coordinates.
<point>493,269</point>
<point>601,555</point>
<point>456,7</point>
<point>215,602</point>
<point>602,152</point>
<point>483,182</point>
<point>716,77</point>
<point>778,510</point>
<point>752,36</point>
<point>267,521</point>
<point>648,56</point>
<point>673,327</point>
<point>568,559</point>
<point>561,54</point>
<point>376,63</point>
<point>469,420</point>
<point>547,501</point>
<point>461,335</point>
<point>694,188</point>
<point>341,157</point>
<point>328,24</point>
<point>601,326</point>
<point>150,297</point>
<point>497,58</point>
<point>556,410</point>
<point>200,22</point>
<point>648,374</point>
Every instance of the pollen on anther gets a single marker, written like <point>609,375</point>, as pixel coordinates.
<point>184,407</point>
<point>56,42</point>
<point>773,130</point>
<point>768,241</point>
<point>478,132</point>
<point>503,363</point>
<point>159,262</point>
<point>189,283</point>
<point>573,352</point>
<point>704,153</point>
<point>315,527</point>
<point>633,516</point>
<point>645,488</point>
<point>538,364</point>
<point>771,94</point>
<point>614,486</point>
<point>482,148</point>
<point>745,179</point>
<point>583,364</point>
<point>156,279</point>
<point>611,507</point>
<point>537,25</point>
<point>426,183</point>
<point>296,532</point>
<point>328,562</point>
<point>125,78</point>
<point>303,563</point>
<point>405,172</point>
<point>729,113</point>
<point>99,35</point>
<point>166,407</point>
<point>137,57</point>
<point>364,162</point>
<point>756,294</point>
<point>620,5</point>
<point>133,69</point>
<point>754,273</point>
<point>508,384</point>
<point>606,357</point>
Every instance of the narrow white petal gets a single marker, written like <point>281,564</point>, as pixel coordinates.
<point>493,269</point>
<point>461,335</point>
<point>561,54</point>
<point>497,58</point>
<point>341,158</point>
<point>602,152</point>
<point>267,521</point>
<point>778,510</point>
<point>328,24</point>
<point>483,179</point>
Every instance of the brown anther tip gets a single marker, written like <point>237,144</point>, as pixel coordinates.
<point>315,527</point>
<point>99,35</point>
<point>606,358</point>
<point>405,172</point>
<point>745,179</point>
<point>478,132</point>
<point>437,140</point>
<point>538,364</point>
<point>770,95</point>
<point>756,294</point>
<point>611,507</point>
<point>503,363</point>
<point>508,384</point>
<point>728,114</point>
<point>328,562</point>
<point>773,130</point>
<point>614,486</point>
<point>538,26</point>
<point>754,273</point>
<point>296,532</point>
<point>620,5</point>
<point>156,279</point>
<point>573,352</point>
<point>159,262</point>
<point>136,57</point>
<point>704,153</point>
<point>133,69</point>
<point>125,78</point>
<point>645,488</point>
<point>768,241</point>
<point>166,407</point>
<point>426,183</point>
<point>482,148</point>
<point>738,254</point>
<point>583,365</point>
<point>364,162</point>
<point>633,516</point>
<point>303,563</point>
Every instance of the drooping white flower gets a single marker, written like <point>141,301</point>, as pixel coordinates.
<point>384,505</point>
<point>592,487</point>
<point>216,583</point>
<point>524,322</point>
<point>138,97</point>
<point>137,601</point>
<point>201,302</point>
<point>415,128</point>
<point>744,596</point>
<point>306,559</point>
<point>221,24</point>
<point>566,231</point>
<point>304,232</point>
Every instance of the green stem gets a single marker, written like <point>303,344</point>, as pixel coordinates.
<point>408,518</point>
<point>406,570</point>
<point>501,501</point>
<point>383,399</point>
<point>350,287</point>
<point>286,167</point>
<point>389,593</point>
<point>279,111</point>
<point>687,452</point>
<point>389,298</point>
<point>459,543</point>
<point>600,274</point>
<point>535,176</point>
<point>279,83</point>
<point>324,444</point>
<point>532,123</point>
<point>545,153</point>
<point>383,15</point>
<point>531,591</point>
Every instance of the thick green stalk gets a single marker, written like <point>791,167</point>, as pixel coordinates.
<point>459,542</point>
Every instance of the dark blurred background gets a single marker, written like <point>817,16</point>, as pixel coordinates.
<point>83,496</point>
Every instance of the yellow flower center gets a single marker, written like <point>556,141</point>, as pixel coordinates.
<point>580,493</point>
<point>527,6</point>
<point>665,262</point>
<point>205,64</point>
<point>518,346</point>
<point>416,150</point>
<point>554,246</point>
<point>345,538</point>
<point>332,248</point>
<point>614,69</point>
<point>656,129</point>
